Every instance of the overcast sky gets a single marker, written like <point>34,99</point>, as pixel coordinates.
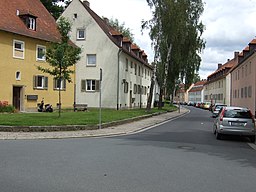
<point>230,26</point>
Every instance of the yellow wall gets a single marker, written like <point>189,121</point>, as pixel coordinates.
<point>27,67</point>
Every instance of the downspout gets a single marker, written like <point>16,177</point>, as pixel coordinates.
<point>118,77</point>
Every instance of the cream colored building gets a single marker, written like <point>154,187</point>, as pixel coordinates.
<point>126,73</point>
<point>218,85</point>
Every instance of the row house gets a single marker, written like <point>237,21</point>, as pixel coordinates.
<point>243,80</point>
<point>181,94</point>
<point>126,74</point>
<point>196,93</point>
<point>26,28</point>
<point>218,85</point>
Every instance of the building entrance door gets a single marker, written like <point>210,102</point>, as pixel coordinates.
<point>16,97</point>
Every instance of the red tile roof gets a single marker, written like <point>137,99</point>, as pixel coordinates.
<point>11,22</point>
<point>108,30</point>
<point>223,70</point>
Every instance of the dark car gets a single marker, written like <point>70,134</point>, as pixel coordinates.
<point>216,108</point>
<point>234,121</point>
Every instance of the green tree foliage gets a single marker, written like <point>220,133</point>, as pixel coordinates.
<point>55,7</point>
<point>121,28</point>
<point>176,34</point>
<point>61,55</point>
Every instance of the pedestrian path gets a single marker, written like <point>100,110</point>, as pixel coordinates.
<point>127,128</point>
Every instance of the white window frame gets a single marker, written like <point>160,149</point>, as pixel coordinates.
<point>40,47</point>
<point>92,85</point>
<point>32,23</point>
<point>18,75</point>
<point>89,61</point>
<point>78,34</point>
<point>62,84</point>
<point>43,82</point>
<point>22,49</point>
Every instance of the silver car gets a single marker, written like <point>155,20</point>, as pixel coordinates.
<point>234,121</point>
<point>216,109</point>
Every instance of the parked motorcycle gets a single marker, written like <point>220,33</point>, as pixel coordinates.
<point>44,108</point>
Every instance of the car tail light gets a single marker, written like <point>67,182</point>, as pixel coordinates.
<point>222,114</point>
<point>253,120</point>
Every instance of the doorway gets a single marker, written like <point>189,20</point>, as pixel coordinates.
<point>17,97</point>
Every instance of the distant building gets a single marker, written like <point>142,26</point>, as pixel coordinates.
<point>196,93</point>
<point>181,94</point>
<point>243,79</point>
<point>218,85</point>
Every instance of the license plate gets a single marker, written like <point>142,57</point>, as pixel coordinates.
<point>237,124</point>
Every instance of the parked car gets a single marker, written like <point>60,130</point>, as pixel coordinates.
<point>190,103</point>
<point>216,109</point>
<point>234,121</point>
<point>206,105</point>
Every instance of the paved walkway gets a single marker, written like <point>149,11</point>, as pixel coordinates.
<point>123,129</point>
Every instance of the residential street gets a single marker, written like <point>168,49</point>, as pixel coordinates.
<point>180,155</point>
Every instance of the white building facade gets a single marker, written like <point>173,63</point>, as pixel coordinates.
<point>126,74</point>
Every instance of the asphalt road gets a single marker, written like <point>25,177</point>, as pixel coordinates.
<point>178,156</point>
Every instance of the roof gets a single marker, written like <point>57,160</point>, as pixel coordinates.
<point>198,86</point>
<point>224,70</point>
<point>10,21</point>
<point>111,32</point>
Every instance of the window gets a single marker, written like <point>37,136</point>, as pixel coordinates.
<point>135,89</point>
<point>80,34</point>
<point>59,84</point>
<point>242,92</point>
<point>40,53</point>
<point>250,91</point>
<point>31,23</point>
<point>126,65</point>
<point>245,92</point>
<point>40,82</point>
<point>18,49</point>
<point>126,85</point>
<point>18,76</point>
<point>91,59</point>
<point>89,85</point>
<point>135,69</point>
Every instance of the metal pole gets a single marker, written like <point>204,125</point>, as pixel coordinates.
<point>100,98</point>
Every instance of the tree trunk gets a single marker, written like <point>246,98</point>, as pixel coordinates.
<point>150,97</point>
<point>160,103</point>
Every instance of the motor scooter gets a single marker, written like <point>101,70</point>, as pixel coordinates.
<point>44,108</point>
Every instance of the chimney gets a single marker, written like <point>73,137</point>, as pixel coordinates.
<point>219,65</point>
<point>87,3</point>
<point>228,60</point>
<point>236,54</point>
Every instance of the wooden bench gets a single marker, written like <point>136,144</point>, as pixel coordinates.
<point>80,107</point>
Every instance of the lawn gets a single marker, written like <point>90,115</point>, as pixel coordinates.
<point>68,117</point>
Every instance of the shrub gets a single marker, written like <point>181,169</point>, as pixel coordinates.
<point>5,107</point>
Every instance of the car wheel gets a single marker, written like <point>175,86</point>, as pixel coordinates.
<point>252,138</point>
<point>218,135</point>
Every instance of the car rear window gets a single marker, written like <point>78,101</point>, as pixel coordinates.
<point>245,114</point>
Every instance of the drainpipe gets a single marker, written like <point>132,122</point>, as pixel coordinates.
<point>118,77</point>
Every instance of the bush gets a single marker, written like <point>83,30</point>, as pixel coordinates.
<point>5,107</point>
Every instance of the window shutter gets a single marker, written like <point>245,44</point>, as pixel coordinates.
<point>54,83</point>
<point>83,85</point>
<point>97,85</point>
<point>45,82</point>
<point>34,81</point>
<point>64,84</point>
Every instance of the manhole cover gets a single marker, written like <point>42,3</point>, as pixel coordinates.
<point>186,147</point>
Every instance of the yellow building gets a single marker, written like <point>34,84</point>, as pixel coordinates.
<point>26,28</point>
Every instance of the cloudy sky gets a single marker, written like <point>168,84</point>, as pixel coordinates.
<point>230,26</point>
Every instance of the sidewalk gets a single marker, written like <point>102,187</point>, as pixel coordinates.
<point>127,128</point>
